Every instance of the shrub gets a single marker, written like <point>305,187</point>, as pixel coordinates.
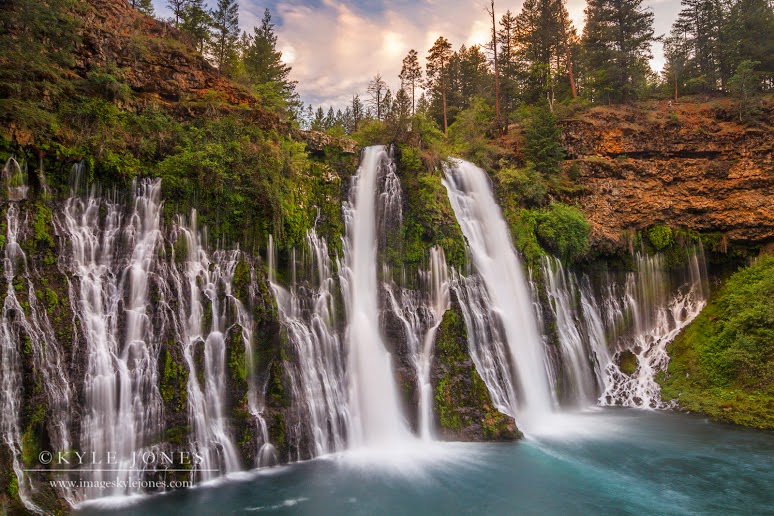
<point>527,183</point>
<point>564,231</point>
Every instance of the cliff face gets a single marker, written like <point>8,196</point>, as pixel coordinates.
<point>690,166</point>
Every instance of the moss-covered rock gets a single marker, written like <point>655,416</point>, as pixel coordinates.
<point>722,364</point>
<point>463,408</point>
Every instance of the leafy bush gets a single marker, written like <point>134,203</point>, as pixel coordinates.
<point>564,231</point>
<point>527,183</point>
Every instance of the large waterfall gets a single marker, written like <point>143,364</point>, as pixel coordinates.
<point>498,264</point>
<point>376,414</point>
<point>162,342</point>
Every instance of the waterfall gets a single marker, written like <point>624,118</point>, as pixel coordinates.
<point>572,312</point>
<point>308,311</point>
<point>660,307</point>
<point>421,313</point>
<point>16,338</point>
<point>496,261</point>
<point>15,180</point>
<point>122,402</point>
<point>203,333</point>
<point>373,395</point>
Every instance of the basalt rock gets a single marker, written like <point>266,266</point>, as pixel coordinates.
<point>686,166</point>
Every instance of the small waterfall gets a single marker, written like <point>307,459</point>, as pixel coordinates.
<point>308,311</point>
<point>15,180</point>
<point>123,405</point>
<point>486,341</point>
<point>569,307</point>
<point>496,261</point>
<point>203,335</point>
<point>421,313</point>
<point>16,338</point>
<point>373,397</point>
<point>659,309</point>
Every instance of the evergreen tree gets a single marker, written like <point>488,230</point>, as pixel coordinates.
<point>543,30</point>
<point>196,21</point>
<point>616,43</point>
<point>699,29</point>
<point>318,122</point>
<point>376,90</point>
<point>225,23</point>
<point>506,39</point>
<point>177,7</point>
<point>542,145</point>
<point>438,59</point>
<point>358,112</point>
<point>749,36</point>
<point>411,76</point>
<point>144,6</point>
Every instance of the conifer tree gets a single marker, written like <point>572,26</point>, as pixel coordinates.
<point>225,24</point>
<point>616,42</point>
<point>438,59</point>
<point>196,21</point>
<point>177,7</point>
<point>263,63</point>
<point>376,92</point>
<point>411,76</point>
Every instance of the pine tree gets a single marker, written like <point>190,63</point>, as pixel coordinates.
<point>438,58</point>
<point>144,6</point>
<point>411,76</point>
<point>543,30</point>
<point>376,90</point>
<point>358,112</point>
<point>318,122</point>
<point>542,144</point>
<point>749,36</point>
<point>196,21</point>
<point>263,63</point>
<point>225,23</point>
<point>177,7</point>
<point>616,42</point>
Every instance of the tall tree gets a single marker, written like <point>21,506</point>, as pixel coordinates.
<point>543,33</point>
<point>493,47</point>
<point>411,76</point>
<point>263,62</point>
<point>177,7</point>
<point>376,92</point>
<point>438,58</point>
<point>358,112</point>
<point>196,21</point>
<point>225,24</point>
<point>749,36</point>
<point>616,42</point>
<point>506,39</point>
<point>144,6</point>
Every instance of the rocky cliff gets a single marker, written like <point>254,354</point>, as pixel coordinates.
<point>687,165</point>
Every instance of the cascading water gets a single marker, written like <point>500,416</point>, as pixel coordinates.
<point>421,313</point>
<point>308,312</point>
<point>579,345</point>
<point>123,405</point>
<point>496,261</point>
<point>199,286</point>
<point>659,315</point>
<point>373,396</point>
<point>15,179</point>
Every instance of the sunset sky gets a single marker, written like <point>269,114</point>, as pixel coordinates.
<point>336,46</point>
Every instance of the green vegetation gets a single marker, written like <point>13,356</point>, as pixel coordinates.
<point>564,231</point>
<point>660,237</point>
<point>722,364</point>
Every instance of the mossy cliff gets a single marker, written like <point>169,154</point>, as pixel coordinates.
<point>462,406</point>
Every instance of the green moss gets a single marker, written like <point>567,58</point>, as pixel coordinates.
<point>276,387</point>
<point>445,403</point>
<point>177,434</point>
<point>722,364</point>
<point>237,365</point>
<point>627,362</point>
<point>174,380</point>
<point>242,280</point>
<point>13,485</point>
<point>660,237</point>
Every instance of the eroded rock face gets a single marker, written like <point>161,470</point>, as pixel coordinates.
<point>692,166</point>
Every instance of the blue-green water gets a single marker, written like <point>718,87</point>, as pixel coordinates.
<point>606,462</point>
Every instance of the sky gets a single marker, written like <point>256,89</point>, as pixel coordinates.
<point>336,46</point>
